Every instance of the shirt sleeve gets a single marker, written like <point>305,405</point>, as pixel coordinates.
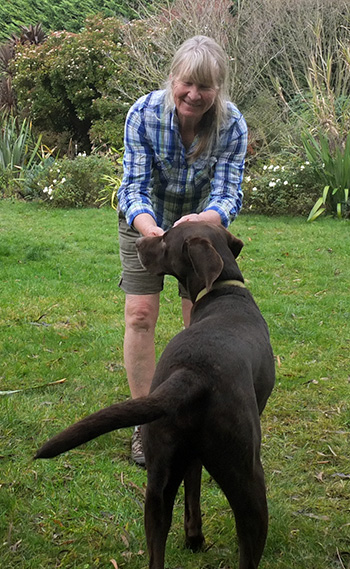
<point>133,193</point>
<point>226,193</point>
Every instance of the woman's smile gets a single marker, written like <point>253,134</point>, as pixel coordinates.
<point>192,101</point>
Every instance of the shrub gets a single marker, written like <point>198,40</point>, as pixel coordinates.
<point>288,186</point>
<point>57,82</point>
<point>81,85</point>
<point>69,183</point>
<point>331,162</point>
<point>5,183</point>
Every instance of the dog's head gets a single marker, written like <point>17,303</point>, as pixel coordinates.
<point>196,253</point>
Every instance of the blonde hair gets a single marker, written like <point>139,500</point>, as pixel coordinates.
<point>201,60</point>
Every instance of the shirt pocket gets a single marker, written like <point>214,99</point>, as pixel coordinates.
<point>162,169</point>
<point>203,171</point>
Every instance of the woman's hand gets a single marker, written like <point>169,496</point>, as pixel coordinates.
<point>210,216</point>
<point>146,225</point>
<point>189,217</point>
<point>153,231</point>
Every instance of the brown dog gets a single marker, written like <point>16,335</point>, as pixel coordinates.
<point>210,386</point>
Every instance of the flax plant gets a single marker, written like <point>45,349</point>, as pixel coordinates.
<point>333,167</point>
<point>328,145</point>
<point>18,149</point>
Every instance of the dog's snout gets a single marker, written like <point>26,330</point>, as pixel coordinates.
<point>138,242</point>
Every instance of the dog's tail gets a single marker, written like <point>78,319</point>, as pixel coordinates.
<point>167,398</point>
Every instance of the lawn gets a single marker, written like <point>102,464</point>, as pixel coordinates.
<point>61,323</point>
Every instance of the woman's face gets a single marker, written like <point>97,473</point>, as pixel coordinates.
<point>192,101</point>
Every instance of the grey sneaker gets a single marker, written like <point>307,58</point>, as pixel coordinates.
<point>137,454</point>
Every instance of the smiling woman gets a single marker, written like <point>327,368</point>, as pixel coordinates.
<point>184,158</point>
<point>197,84</point>
<point>192,101</point>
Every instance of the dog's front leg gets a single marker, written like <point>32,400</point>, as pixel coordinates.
<point>193,516</point>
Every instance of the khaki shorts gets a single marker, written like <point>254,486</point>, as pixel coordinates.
<point>135,279</point>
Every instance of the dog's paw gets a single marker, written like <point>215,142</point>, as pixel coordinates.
<point>195,542</point>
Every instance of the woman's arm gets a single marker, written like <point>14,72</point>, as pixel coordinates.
<point>226,192</point>
<point>133,193</point>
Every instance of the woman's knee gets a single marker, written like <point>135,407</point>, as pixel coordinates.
<point>141,311</point>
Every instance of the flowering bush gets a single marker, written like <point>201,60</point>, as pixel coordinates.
<point>58,82</point>
<point>69,183</point>
<point>282,187</point>
<point>82,85</point>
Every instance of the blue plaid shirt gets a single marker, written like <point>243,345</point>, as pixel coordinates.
<point>158,179</point>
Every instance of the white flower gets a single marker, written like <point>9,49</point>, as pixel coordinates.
<point>54,181</point>
<point>271,166</point>
<point>307,163</point>
<point>63,180</point>
<point>50,191</point>
<point>285,183</point>
<point>272,184</point>
<point>45,189</point>
<point>302,167</point>
<point>276,168</point>
<point>248,178</point>
<point>265,167</point>
<point>255,189</point>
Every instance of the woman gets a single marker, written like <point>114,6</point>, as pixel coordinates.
<point>184,158</point>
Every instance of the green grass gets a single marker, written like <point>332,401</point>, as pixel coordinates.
<point>62,318</point>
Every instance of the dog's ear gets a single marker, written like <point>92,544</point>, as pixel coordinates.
<point>151,252</point>
<point>234,244</point>
<point>205,260</point>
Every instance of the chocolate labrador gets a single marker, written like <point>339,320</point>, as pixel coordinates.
<point>210,386</point>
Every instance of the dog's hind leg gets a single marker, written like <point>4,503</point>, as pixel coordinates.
<point>250,509</point>
<point>164,479</point>
<point>193,516</point>
<point>246,493</point>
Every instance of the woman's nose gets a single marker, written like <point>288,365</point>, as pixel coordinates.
<point>194,93</point>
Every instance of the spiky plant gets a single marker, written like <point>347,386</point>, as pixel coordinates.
<point>7,51</point>
<point>18,148</point>
<point>8,103</point>
<point>34,35</point>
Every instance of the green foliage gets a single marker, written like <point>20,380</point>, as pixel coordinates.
<point>5,183</point>
<point>286,186</point>
<point>80,85</point>
<point>18,149</point>
<point>58,81</point>
<point>108,194</point>
<point>59,15</point>
<point>332,166</point>
<point>69,183</point>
